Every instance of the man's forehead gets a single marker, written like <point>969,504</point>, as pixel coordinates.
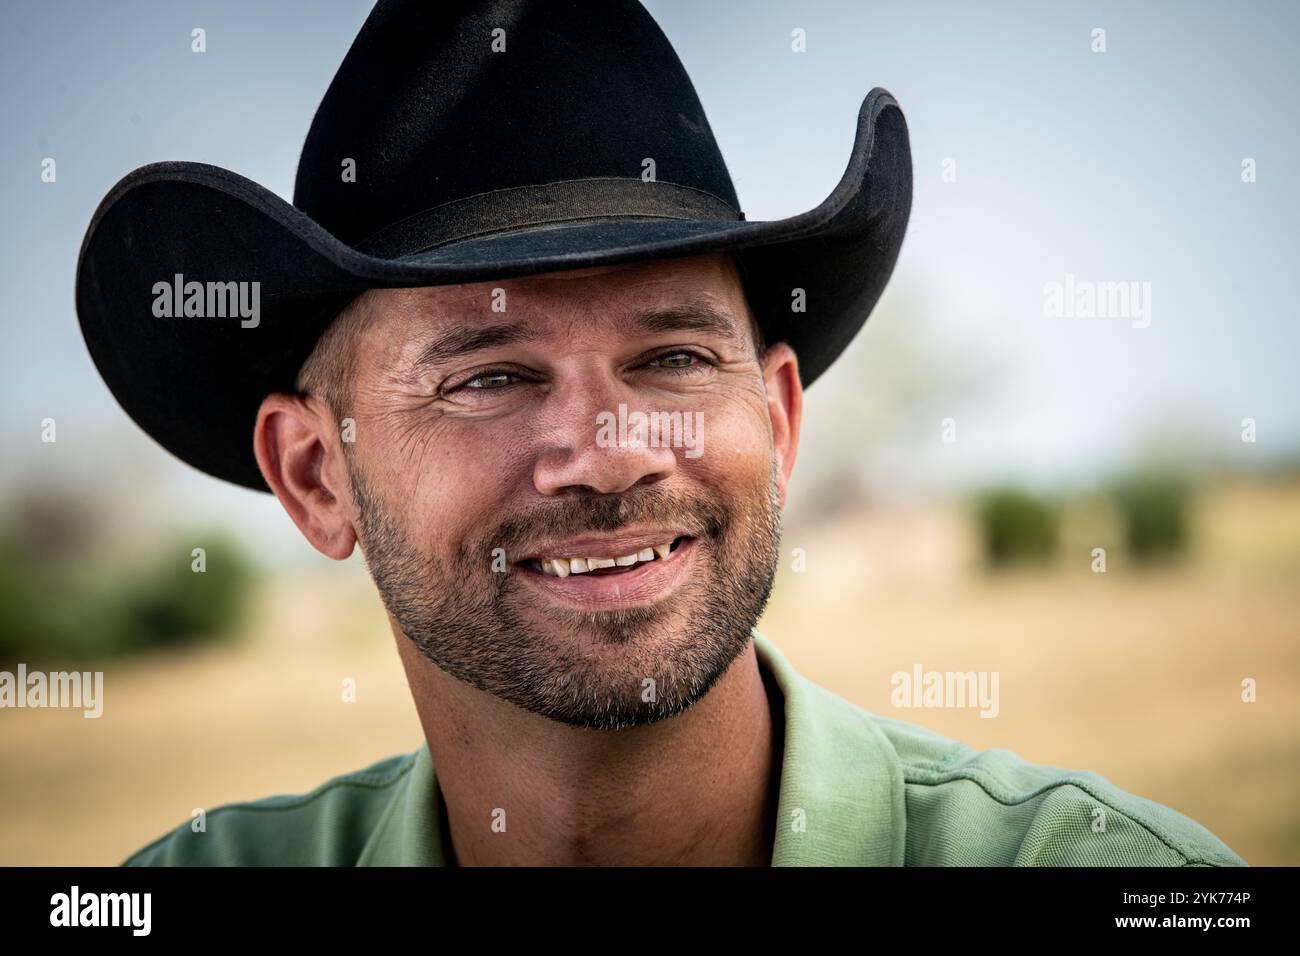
<point>700,292</point>
<point>711,275</point>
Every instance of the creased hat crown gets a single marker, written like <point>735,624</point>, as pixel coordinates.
<point>436,102</point>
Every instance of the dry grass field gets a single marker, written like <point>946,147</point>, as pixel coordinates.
<point>1133,674</point>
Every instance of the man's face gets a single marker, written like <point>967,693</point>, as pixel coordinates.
<point>489,461</point>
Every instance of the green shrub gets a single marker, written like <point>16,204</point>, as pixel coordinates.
<point>1155,510</point>
<point>1017,527</point>
<point>100,610</point>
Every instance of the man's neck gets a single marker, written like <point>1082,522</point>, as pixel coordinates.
<point>700,788</point>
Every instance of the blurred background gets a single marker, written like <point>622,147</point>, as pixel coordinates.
<point>961,464</point>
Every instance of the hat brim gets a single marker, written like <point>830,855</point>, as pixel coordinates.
<point>195,384</point>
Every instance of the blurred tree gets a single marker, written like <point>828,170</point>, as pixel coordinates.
<point>1017,527</point>
<point>67,595</point>
<point>1155,510</point>
<point>873,423</point>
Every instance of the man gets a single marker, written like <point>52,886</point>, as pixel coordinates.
<point>556,403</point>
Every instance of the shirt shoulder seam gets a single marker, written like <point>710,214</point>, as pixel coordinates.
<point>974,776</point>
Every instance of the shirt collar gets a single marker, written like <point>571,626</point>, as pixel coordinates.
<point>841,793</point>
<point>841,784</point>
<point>413,828</point>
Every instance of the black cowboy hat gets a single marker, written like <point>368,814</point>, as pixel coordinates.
<point>460,141</point>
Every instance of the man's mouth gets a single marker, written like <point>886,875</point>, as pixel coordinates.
<point>604,564</point>
<point>634,569</point>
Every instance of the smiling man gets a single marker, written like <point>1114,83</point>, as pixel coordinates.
<point>512,222</point>
<point>477,462</point>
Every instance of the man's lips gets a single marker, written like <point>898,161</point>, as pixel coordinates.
<point>603,555</point>
<point>639,584</point>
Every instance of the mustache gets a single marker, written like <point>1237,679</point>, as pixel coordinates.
<point>701,516</point>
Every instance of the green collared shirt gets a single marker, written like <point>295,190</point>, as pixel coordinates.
<point>856,790</point>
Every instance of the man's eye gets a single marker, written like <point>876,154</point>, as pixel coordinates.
<point>674,360</point>
<point>490,380</point>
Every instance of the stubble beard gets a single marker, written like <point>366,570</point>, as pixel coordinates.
<point>602,670</point>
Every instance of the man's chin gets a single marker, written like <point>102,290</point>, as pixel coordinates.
<point>602,669</point>
<point>626,675</point>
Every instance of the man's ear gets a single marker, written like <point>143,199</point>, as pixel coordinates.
<point>784,407</point>
<point>301,458</point>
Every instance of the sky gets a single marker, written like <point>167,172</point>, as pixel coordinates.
<point>1115,166</point>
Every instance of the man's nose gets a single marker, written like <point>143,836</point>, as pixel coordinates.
<point>588,448</point>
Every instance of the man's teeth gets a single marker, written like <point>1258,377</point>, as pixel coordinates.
<point>563,567</point>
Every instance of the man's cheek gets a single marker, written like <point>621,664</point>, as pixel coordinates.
<point>438,468</point>
<point>437,509</point>
<point>726,442</point>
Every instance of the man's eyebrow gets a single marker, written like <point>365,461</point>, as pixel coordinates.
<point>689,317</point>
<point>464,339</point>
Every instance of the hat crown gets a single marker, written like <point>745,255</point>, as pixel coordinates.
<point>436,102</point>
